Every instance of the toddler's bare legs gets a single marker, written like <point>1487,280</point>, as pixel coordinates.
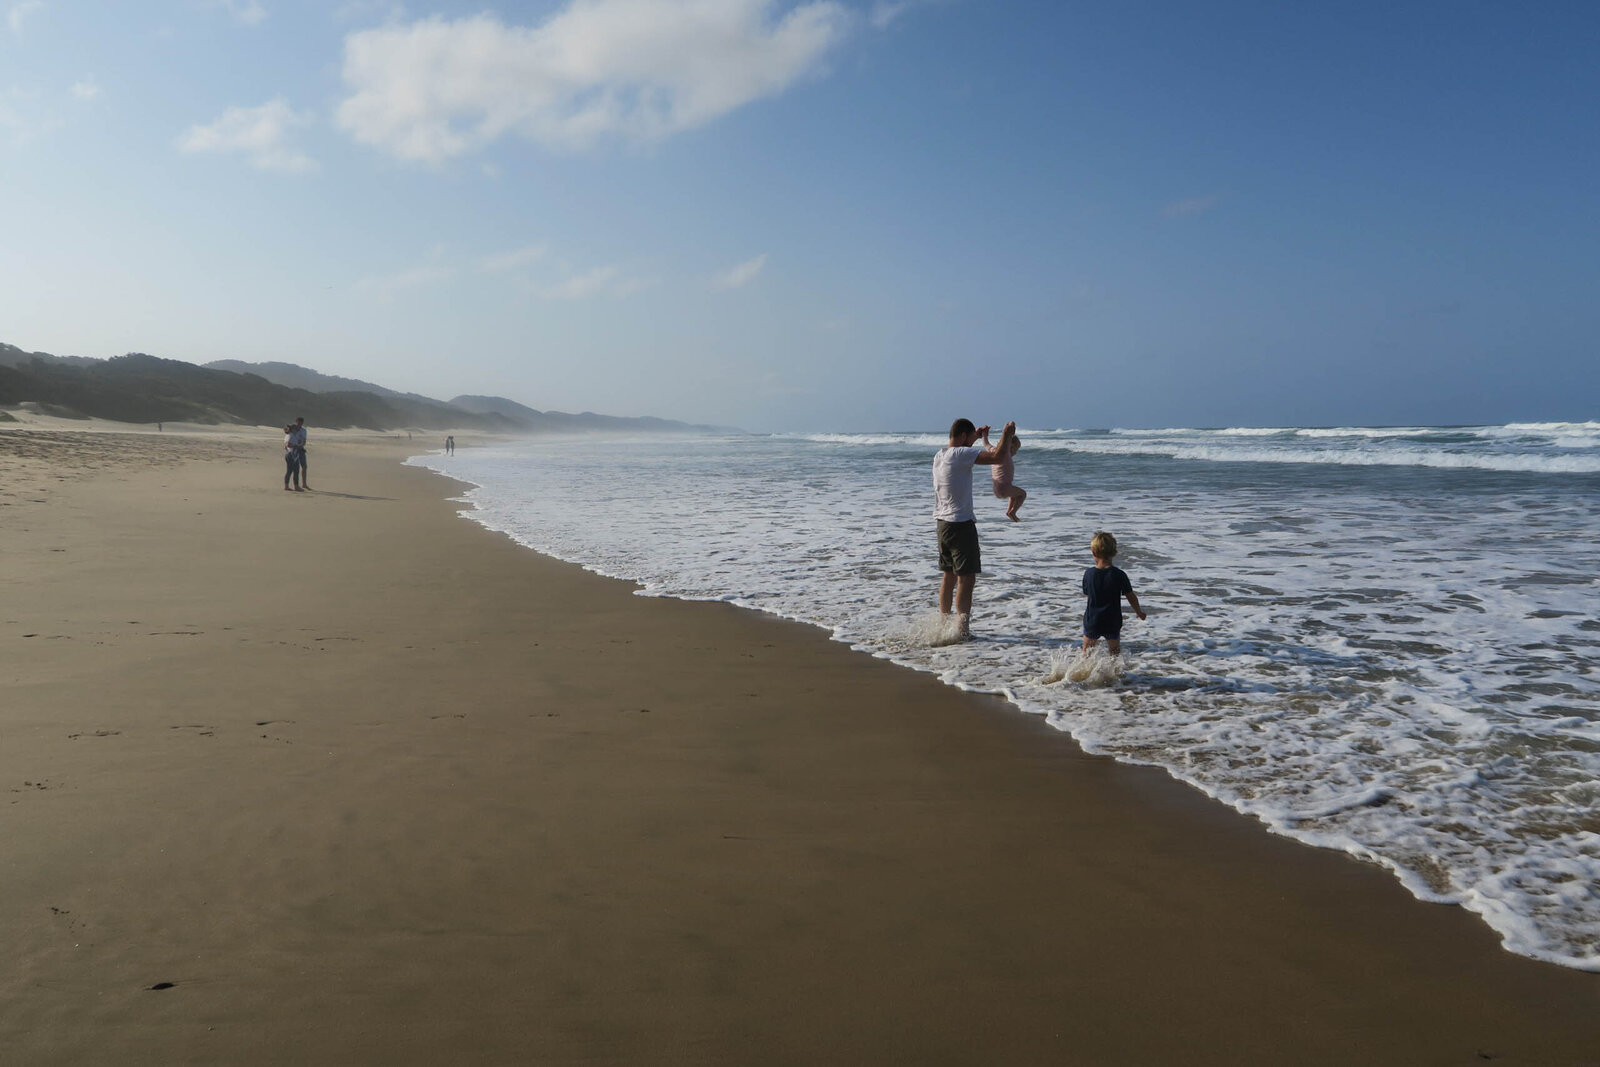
<point>1018,495</point>
<point>1113,645</point>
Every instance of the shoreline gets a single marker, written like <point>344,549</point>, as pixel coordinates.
<point>369,783</point>
<point>1411,881</point>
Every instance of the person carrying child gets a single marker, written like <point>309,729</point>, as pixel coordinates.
<point>1105,585</point>
<point>960,561</point>
<point>1002,472</point>
<point>291,458</point>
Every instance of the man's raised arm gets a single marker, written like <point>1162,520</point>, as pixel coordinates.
<point>995,453</point>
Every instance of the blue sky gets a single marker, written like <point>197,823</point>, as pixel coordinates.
<point>832,215</point>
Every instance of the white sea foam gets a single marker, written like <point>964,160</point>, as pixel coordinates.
<point>1217,449</point>
<point>1401,662</point>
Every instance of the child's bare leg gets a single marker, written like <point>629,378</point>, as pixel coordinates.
<point>1089,643</point>
<point>1114,646</point>
<point>1017,495</point>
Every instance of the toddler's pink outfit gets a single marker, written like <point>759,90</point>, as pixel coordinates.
<point>1002,473</point>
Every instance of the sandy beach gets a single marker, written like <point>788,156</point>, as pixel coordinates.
<point>340,777</point>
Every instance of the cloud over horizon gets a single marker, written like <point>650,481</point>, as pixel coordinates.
<point>633,70</point>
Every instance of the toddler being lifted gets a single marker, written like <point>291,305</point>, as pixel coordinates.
<point>1005,469</point>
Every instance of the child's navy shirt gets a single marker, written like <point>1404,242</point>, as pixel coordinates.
<point>1105,588</point>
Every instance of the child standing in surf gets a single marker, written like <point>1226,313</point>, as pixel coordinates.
<point>1105,585</point>
<point>1003,470</point>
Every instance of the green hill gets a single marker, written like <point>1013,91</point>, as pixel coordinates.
<point>144,388</point>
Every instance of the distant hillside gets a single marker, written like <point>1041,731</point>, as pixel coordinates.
<point>12,356</point>
<point>144,388</point>
<point>295,376</point>
<point>586,421</point>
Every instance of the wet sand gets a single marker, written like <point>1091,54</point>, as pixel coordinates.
<point>353,780</point>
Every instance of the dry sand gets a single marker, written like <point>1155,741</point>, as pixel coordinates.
<point>366,783</point>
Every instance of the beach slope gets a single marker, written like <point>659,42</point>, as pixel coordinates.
<point>339,777</point>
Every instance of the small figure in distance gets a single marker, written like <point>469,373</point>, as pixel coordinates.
<point>450,445</point>
<point>1005,469</point>
<point>291,459</point>
<point>299,429</point>
<point>1105,585</point>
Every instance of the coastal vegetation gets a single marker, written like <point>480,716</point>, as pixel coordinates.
<point>142,388</point>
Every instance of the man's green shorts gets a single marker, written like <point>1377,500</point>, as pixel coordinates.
<point>958,547</point>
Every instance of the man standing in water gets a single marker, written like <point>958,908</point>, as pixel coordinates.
<point>958,524</point>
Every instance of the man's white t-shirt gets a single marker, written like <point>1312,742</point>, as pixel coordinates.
<point>952,483</point>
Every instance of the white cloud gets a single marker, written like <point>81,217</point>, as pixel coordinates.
<point>741,275</point>
<point>509,261</point>
<point>246,12</point>
<point>17,14</point>
<point>85,90</point>
<point>262,133</point>
<point>636,70</point>
<point>1193,206</point>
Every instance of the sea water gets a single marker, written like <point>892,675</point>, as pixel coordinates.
<point>1382,641</point>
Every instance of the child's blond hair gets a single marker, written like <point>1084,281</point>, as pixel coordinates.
<point>1016,443</point>
<point>1103,546</point>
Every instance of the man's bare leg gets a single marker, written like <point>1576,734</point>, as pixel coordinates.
<point>955,590</point>
<point>964,584</point>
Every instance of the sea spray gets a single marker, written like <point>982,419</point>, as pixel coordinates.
<point>1094,667</point>
<point>930,630</point>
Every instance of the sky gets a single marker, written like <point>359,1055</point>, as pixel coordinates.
<point>829,214</point>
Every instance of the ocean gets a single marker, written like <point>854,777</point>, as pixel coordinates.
<point>1378,640</point>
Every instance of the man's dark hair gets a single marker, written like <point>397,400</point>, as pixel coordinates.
<point>961,426</point>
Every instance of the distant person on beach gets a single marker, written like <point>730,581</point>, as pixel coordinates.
<point>291,459</point>
<point>1003,471</point>
<point>959,560</point>
<point>450,446</point>
<point>300,451</point>
<point>1105,585</point>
